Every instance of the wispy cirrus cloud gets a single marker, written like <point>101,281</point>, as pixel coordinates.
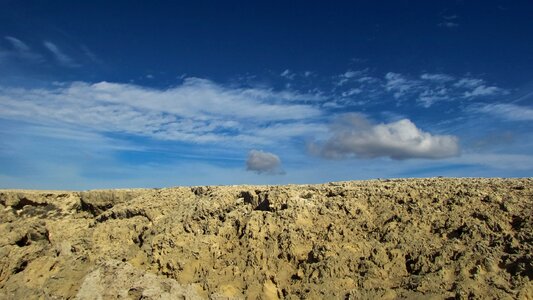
<point>399,85</point>
<point>506,111</point>
<point>483,90</point>
<point>449,21</point>
<point>20,50</point>
<point>350,74</point>
<point>17,52</point>
<point>90,55</point>
<point>292,76</point>
<point>468,83</point>
<point>449,24</point>
<point>288,74</point>
<point>425,89</point>
<point>198,111</point>
<point>517,162</point>
<point>18,45</point>
<point>61,57</point>
<point>437,77</point>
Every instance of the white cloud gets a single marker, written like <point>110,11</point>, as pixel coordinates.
<point>332,104</point>
<point>437,77</point>
<point>429,96</point>
<point>426,89</point>
<point>449,24</point>
<point>399,84</point>
<point>59,55</point>
<point>450,17</point>
<point>469,82</point>
<point>19,45</point>
<point>90,54</point>
<point>510,112</point>
<point>263,162</point>
<point>283,131</point>
<point>483,90</point>
<point>434,88</point>
<point>367,79</point>
<point>196,111</point>
<point>355,136</point>
<point>449,21</point>
<point>21,50</point>
<point>288,74</point>
<point>350,75</point>
<point>352,92</point>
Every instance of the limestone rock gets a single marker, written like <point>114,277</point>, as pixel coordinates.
<point>431,238</point>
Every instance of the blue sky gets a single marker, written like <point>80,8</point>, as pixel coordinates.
<point>110,94</point>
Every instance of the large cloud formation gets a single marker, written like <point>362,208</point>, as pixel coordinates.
<point>355,136</point>
<point>198,111</point>
<point>263,162</point>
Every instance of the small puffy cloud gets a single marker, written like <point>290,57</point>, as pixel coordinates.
<point>355,136</point>
<point>263,162</point>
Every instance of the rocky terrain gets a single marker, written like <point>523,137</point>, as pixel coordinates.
<point>380,239</point>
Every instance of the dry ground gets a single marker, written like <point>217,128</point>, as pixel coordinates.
<point>413,238</point>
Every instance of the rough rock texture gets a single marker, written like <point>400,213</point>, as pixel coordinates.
<point>379,239</point>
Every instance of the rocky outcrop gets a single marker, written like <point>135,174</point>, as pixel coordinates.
<point>379,239</point>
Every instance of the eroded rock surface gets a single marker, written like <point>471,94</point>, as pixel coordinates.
<point>379,239</point>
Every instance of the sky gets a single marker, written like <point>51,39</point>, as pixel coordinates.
<point>123,94</point>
